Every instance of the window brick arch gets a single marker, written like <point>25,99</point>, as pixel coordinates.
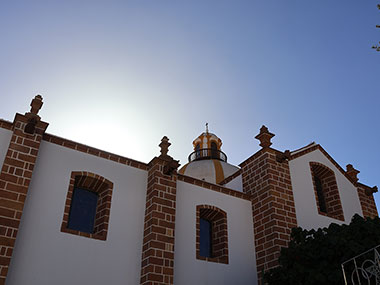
<point>326,191</point>
<point>219,234</point>
<point>103,188</point>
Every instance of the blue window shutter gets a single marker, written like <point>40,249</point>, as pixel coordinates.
<point>83,210</point>
<point>205,238</point>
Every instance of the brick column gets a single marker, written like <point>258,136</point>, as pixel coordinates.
<point>266,177</point>
<point>367,201</point>
<point>365,193</point>
<point>15,177</point>
<point>157,266</point>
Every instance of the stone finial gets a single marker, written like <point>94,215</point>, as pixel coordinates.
<point>352,172</point>
<point>264,137</point>
<point>32,116</point>
<point>164,145</point>
<point>170,165</point>
<point>36,104</point>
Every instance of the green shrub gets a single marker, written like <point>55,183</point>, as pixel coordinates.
<point>315,256</point>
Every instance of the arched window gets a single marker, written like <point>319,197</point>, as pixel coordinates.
<point>212,237</point>
<point>214,151</point>
<point>88,205</point>
<point>326,191</point>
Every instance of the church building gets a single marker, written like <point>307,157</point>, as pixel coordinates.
<point>74,214</point>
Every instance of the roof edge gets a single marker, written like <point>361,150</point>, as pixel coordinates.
<point>6,124</point>
<point>231,177</point>
<point>94,151</point>
<point>213,187</point>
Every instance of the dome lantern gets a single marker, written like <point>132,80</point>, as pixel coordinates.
<point>207,146</point>
<point>207,161</point>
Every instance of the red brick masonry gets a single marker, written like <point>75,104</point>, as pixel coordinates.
<point>274,215</point>
<point>367,201</point>
<point>157,265</point>
<point>15,177</point>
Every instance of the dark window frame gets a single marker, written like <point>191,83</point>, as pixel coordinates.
<point>104,188</point>
<point>326,193</point>
<point>219,233</point>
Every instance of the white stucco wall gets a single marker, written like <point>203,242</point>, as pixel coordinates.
<point>235,184</point>
<point>5,138</point>
<point>188,270</point>
<point>44,255</point>
<point>304,197</point>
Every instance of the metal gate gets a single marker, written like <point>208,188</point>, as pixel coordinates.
<point>363,269</point>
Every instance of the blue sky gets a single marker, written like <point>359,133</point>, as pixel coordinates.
<point>119,75</point>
